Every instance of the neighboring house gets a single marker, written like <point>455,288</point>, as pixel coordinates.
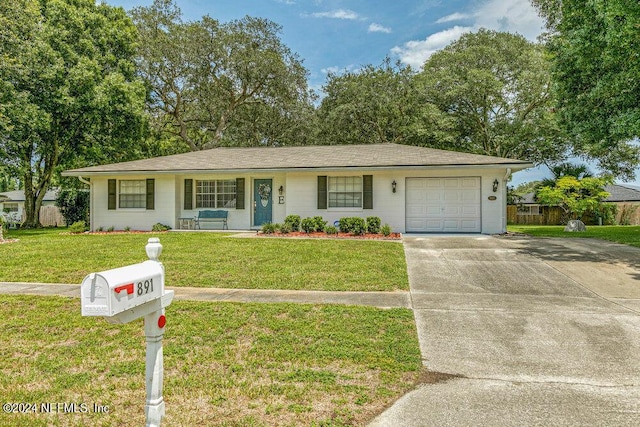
<point>12,205</point>
<point>529,211</point>
<point>413,189</point>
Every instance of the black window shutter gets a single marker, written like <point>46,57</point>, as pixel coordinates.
<point>151,193</point>
<point>239,193</point>
<point>367,192</point>
<point>111,191</point>
<point>188,194</point>
<point>322,192</point>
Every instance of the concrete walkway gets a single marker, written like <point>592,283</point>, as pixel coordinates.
<point>373,299</point>
<point>524,332</point>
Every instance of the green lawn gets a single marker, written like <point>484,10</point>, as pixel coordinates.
<point>628,235</point>
<point>210,260</point>
<point>225,364</point>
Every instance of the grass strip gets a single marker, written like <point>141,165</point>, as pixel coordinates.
<point>628,235</point>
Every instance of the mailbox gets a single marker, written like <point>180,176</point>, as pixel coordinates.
<point>112,292</point>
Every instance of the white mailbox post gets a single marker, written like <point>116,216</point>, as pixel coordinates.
<point>128,293</point>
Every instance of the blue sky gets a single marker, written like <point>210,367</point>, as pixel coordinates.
<point>338,35</point>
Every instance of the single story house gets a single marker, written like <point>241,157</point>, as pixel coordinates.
<point>529,211</point>
<point>12,207</point>
<point>413,189</point>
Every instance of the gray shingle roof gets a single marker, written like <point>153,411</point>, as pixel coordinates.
<point>301,157</point>
<point>18,196</point>
<point>622,193</point>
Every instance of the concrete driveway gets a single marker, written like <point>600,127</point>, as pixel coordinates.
<point>528,332</point>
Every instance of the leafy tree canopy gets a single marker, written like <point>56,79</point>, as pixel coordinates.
<point>68,90</point>
<point>496,86</point>
<point>595,52</point>
<point>216,83</point>
<point>379,105</point>
<point>575,196</point>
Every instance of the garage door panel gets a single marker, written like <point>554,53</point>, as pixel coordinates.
<point>443,204</point>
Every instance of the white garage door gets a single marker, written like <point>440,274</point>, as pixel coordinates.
<point>443,205</point>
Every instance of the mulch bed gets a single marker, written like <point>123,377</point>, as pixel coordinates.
<point>322,235</point>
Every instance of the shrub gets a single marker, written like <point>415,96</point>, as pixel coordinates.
<point>308,225</point>
<point>373,224</point>
<point>284,228</point>
<point>127,229</point>
<point>358,226</point>
<point>160,227</point>
<point>320,223</point>
<point>78,227</point>
<point>331,230</point>
<point>293,221</point>
<point>346,224</point>
<point>73,205</point>
<point>110,229</point>
<point>385,230</point>
<point>269,228</point>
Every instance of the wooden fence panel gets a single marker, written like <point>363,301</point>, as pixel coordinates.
<point>548,216</point>
<point>50,216</point>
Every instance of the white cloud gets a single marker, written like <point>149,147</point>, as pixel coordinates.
<point>351,68</point>
<point>338,14</point>
<point>514,16</point>
<point>453,17</point>
<point>414,52</point>
<point>377,28</point>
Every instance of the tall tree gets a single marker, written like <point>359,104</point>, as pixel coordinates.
<point>218,83</point>
<point>496,86</point>
<point>378,105</point>
<point>68,90</point>
<point>594,47</point>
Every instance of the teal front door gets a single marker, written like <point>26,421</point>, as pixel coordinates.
<point>262,201</point>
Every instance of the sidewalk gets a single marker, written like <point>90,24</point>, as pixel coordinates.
<point>373,299</point>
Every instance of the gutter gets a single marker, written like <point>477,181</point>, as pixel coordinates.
<point>91,204</point>
<point>510,167</point>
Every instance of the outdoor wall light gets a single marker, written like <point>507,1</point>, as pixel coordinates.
<point>495,185</point>
<point>281,190</point>
<point>393,186</point>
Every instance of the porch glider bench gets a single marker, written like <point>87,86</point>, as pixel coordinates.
<point>212,216</point>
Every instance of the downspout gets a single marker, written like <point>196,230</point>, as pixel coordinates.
<point>84,181</point>
<point>504,197</point>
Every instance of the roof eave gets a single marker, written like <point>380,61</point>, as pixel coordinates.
<point>513,166</point>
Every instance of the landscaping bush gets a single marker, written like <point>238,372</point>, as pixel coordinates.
<point>78,227</point>
<point>269,228</point>
<point>308,225</point>
<point>320,223</point>
<point>358,226</point>
<point>160,227</point>
<point>373,224</point>
<point>346,224</point>
<point>331,230</point>
<point>385,230</point>
<point>293,221</point>
<point>284,228</point>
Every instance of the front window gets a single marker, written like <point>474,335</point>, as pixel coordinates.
<point>216,194</point>
<point>133,193</point>
<point>10,207</point>
<point>345,191</point>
